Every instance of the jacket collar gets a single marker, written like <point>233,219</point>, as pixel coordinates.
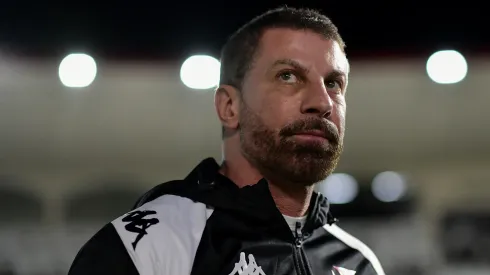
<point>254,201</point>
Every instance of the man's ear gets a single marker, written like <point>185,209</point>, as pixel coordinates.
<point>226,102</point>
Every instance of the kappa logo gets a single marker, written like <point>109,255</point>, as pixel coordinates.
<point>244,268</point>
<point>138,224</point>
<point>342,271</point>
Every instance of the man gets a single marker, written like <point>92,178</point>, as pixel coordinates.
<point>281,102</point>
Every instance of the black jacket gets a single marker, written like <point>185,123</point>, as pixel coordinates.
<point>205,224</point>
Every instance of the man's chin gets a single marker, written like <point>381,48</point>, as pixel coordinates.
<point>306,171</point>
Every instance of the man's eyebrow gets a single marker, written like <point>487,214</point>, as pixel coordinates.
<point>292,63</point>
<point>336,74</point>
<point>295,64</point>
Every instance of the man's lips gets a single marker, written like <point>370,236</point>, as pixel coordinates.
<point>313,133</point>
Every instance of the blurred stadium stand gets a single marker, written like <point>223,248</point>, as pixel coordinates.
<point>62,142</point>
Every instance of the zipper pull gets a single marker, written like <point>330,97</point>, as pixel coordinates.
<point>298,235</point>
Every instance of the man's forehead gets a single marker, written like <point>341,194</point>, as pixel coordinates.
<point>305,47</point>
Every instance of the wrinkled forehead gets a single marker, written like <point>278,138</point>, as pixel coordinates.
<point>310,49</point>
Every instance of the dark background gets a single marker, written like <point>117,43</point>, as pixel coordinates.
<point>172,30</point>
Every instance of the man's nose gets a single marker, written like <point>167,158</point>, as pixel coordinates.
<point>317,101</point>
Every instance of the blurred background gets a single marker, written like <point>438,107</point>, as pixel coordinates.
<point>100,102</point>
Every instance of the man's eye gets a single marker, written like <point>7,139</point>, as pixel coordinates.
<point>333,85</point>
<point>288,77</point>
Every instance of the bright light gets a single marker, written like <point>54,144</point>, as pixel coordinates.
<point>447,67</point>
<point>389,186</point>
<point>200,72</point>
<point>339,188</point>
<point>77,70</point>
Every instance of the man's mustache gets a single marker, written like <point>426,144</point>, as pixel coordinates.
<point>310,124</point>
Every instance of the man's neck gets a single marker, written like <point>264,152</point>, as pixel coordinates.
<point>291,200</point>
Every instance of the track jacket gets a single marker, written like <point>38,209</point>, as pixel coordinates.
<point>205,224</point>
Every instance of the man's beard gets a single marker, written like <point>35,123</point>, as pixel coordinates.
<point>276,154</point>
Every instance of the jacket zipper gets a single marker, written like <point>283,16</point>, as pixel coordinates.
<point>298,251</point>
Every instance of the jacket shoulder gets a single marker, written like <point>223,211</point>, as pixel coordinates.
<point>158,236</point>
<point>162,235</point>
